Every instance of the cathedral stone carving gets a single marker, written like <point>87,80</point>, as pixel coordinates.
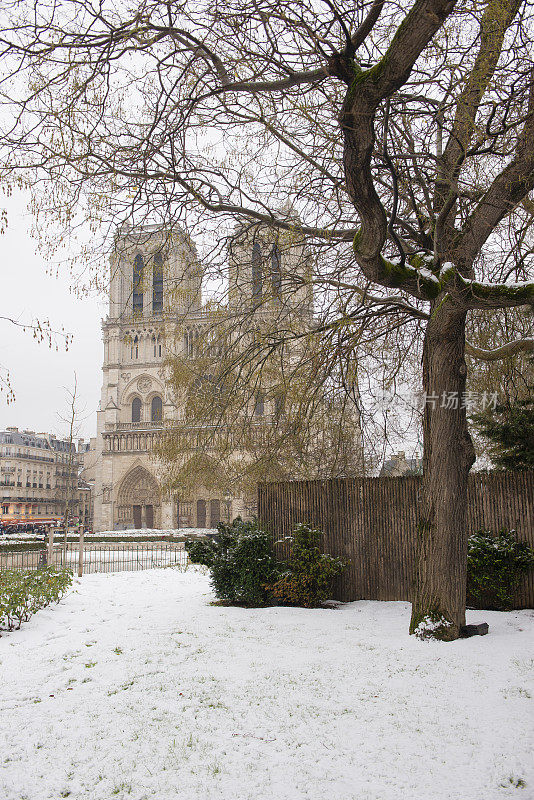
<point>144,384</point>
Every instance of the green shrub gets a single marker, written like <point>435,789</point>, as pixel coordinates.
<point>201,551</point>
<point>308,579</point>
<point>495,565</point>
<point>23,593</point>
<point>241,562</point>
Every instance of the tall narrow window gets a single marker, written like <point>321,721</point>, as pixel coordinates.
<point>279,403</point>
<point>136,410</point>
<point>276,270</point>
<point>257,281</point>
<point>157,284</point>
<point>136,347</point>
<point>260,404</point>
<point>189,341</point>
<point>138,284</point>
<point>156,409</point>
<point>154,344</point>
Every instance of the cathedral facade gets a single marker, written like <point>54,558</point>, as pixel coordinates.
<point>155,298</point>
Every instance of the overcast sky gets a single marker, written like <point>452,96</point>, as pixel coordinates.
<point>39,375</point>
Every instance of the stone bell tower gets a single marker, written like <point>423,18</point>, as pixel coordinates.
<point>154,285</point>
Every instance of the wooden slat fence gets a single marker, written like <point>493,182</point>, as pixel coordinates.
<point>372,522</point>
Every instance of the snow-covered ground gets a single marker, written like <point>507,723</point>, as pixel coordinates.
<point>123,536</point>
<point>135,687</point>
<point>136,532</point>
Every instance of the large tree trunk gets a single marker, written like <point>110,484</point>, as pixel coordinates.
<point>439,598</point>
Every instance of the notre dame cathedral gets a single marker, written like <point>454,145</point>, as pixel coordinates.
<point>155,296</point>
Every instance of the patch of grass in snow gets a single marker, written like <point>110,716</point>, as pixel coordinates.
<point>123,787</point>
<point>90,664</point>
<point>117,651</point>
<point>121,688</point>
<point>525,666</point>
<point>516,691</point>
<point>70,656</point>
<point>516,783</point>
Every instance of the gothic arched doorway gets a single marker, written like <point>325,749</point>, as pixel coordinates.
<point>138,500</point>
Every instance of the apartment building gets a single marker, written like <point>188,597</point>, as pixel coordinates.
<point>38,472</point>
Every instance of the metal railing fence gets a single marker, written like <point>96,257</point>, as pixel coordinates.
<point>99,557</point>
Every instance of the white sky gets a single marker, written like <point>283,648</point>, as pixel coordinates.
<point>39,375</point>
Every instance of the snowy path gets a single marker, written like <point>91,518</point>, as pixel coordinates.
<point>156,694</point>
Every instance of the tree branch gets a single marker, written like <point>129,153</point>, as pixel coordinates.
<point>474,294</point>
<point>256,87</point>
<point>362,32</point>
<point>508,189</point>
<point>508,349</point>
<point>366,91</point>
<point>495,21</point>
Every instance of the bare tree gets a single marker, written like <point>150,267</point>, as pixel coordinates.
<point>399,143</point>
<point>263,397</point>
<point>70,472</point>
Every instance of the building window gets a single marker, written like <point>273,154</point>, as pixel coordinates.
<point>138,284</point>
<point>157,284</point>
<point>260,404</point>
<point>257,282</point>
<point>136,410</point>
<point>279,403</point>
<point>189,342</point>
<point>156,409</point>
<point>156,344</point>
<point>135,348</point>
<point>276,270</point>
